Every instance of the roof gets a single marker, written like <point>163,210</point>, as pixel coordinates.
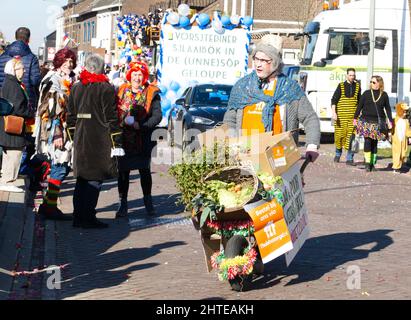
<point>105,4</point>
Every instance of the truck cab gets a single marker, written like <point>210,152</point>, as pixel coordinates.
<point>339,39</point>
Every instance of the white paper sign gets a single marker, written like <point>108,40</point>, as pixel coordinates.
<point>295,211</point>
<point>203,55</point>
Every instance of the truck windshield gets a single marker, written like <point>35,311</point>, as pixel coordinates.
<point>310,42</point>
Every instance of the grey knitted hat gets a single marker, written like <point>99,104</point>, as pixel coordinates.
<point>271,45</point>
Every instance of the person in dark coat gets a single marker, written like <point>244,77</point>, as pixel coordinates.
<point>31,80</point>
<point>92,110</point>
<point>32,75</point>
<point>13,144</point>
<point>374,106</point>
<point>139,113</point>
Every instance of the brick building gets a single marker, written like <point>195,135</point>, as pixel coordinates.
<point>90,24</point>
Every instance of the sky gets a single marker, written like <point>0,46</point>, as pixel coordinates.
<point>38,15</point>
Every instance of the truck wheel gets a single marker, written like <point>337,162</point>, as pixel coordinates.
<point>235,247</point>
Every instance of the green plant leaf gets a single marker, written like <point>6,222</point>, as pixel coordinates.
<point>204,216</point>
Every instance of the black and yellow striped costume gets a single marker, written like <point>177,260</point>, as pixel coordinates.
<point>346,108</point>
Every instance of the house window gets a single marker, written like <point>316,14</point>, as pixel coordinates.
<point>93,29</point>
<point>88,32</point>
<point>85,33</point>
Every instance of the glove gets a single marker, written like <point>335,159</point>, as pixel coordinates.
<point>117,152</point>
<point>311,152</point>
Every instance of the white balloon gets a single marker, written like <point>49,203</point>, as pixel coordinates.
<point>173,18</point>
<point>171,95</point>
<point>193,18</point>
<point>235,19</point>
<point>218,26</point>
<point>183,9</point>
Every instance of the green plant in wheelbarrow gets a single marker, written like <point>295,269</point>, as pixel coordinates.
<point>190,173</point>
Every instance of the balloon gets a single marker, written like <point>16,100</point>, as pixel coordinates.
<point>218,26</point>
<point>139,51</point>
<point>173,18</point>
<point>165,104</point>
<point>180,92</point>
<point>203,19</point>
<point>235,19</point>
<point>183,9</point>
<point>248,21</point>
<point>163,89</point>
<point>129,120</point>
<point>171,95</point>
<point>225,20</point>
<point>174,86</point>
<point>184,22</point>
<point>193,18</point>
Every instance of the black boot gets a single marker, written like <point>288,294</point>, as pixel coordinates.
<point>123,209</point>
<point>368,167</point>
<point>148,203</point>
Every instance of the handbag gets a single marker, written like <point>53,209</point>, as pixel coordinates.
<point>6,107</point>
<point>13,124</point>
<point>382,123</point>
<point>355,143</point>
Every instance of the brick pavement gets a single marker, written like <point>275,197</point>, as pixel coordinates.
<point>356,219</point>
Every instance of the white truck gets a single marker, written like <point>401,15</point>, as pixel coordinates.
<point>338,39</point>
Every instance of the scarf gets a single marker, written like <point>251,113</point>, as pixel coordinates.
<point>133,104</point>
<point>247,91</point>
<point>88,77</point>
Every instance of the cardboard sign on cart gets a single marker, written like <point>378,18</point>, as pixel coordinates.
<point>271,231</point>
<point>295,211</point>
<point>278,230</point>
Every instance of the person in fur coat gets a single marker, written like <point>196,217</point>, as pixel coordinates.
<point>400,134</point>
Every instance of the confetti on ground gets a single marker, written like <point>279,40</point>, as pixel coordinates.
<point>27,273</point>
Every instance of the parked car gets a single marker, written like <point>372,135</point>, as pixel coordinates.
<point>201,107</point>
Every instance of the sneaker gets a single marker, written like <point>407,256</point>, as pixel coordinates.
<point>337,159</point>
<point>396,171</point>
<point>11,189</point>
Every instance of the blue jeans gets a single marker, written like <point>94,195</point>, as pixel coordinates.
<point>59,171</point>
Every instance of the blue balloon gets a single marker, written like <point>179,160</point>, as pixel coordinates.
<point>248,21</point>
<point>163,89</point>
<point>225,20</point>
<point>174,86</point>
<point>184,21</point>
<point>165,104</point>
<point>203,19</point>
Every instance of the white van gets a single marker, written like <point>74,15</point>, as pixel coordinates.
<point>338,39</point>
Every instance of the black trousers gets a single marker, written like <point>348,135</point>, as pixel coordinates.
<point>124,182</point>
<point>370,145</point>
<point>85,199</point>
